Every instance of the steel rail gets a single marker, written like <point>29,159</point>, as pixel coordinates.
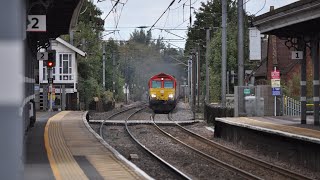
<point>115,114</point>
<point>174,169</point>
<point>213,160</point>
<point>280,170</point>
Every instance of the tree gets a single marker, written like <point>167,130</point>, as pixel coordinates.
<point>87,36</point>
<point>141,58</point>
<point>209,16</point>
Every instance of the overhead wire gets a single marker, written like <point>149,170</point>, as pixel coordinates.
<point>112,9</point>
<point>265,1</point>
<point>168,32</point>
<point>179,6</point>
<point>162,14</point>
<point>123,4</point>
<point>114,12</point>
<point>166,19</point>
<point>191,4</point>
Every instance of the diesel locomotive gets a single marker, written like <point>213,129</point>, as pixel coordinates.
<point>162,93</point>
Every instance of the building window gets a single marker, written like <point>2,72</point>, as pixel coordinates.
<point>65,66</point>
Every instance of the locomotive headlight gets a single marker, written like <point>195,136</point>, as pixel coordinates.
<point>171,96</point>
<point>153,95</point>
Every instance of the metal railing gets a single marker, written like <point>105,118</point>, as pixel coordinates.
<point>291,107</point>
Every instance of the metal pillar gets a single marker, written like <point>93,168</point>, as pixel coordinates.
<point>194,79</point>
<point>303,83</point>
<point>207,64</point>
<point>198,78</point>
<point>240,44</point>
<point>113,74</point>
<point>12,39</point>
<point>103,66</point>
<point>315,60</point>
<point>50,88</point>
<point>189,78</point>
<point>224,53</point>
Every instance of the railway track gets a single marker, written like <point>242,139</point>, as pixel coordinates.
<point>170,171</point>
<point>209,158</point>
<point>173,169</point>
<point>236,159</point>
<point>117,113</point>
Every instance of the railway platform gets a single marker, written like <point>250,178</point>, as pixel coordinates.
<point>280,137</point>
<point>72,150</point>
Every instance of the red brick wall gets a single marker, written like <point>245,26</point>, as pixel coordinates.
<point>280,55</point>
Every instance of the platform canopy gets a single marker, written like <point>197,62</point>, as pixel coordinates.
<point>301,18</point>
<point>61,15</point>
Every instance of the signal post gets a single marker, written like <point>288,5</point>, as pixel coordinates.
<point>49,59</point>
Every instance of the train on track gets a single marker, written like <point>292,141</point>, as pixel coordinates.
<point>162,93</point>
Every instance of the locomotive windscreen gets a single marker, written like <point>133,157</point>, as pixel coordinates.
<point>156,84</point>
<point>168,84</point>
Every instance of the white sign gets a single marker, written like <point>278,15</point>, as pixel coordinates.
<point>254,44</point>
<point>42,56</point>
<point>296,54</point>
<point>275,83</point>
<point>36,23</point>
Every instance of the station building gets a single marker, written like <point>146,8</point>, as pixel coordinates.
<point>65,78</point>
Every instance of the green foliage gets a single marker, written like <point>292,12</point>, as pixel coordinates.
<point>107,96</point>
<point>209,16</point>
<point>131,63</point>
<point>141,58</point>
<point>87,38</point>
<point>88,88</point>
<point>141,36</point>
<point>291,87</point>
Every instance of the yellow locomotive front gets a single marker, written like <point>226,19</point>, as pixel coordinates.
<point>162,93</point>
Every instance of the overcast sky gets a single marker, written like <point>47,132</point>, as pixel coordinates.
<point>134,13</point>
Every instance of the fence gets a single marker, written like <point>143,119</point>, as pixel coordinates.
<point>291,107</point>
<point>258,101</point>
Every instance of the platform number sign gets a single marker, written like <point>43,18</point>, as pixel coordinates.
<point>296,54</point>
<point>42,56</point>
<point>36,23</point>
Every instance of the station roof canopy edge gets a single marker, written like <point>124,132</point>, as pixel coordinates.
<point>301,18</point>
<point>62,16</point>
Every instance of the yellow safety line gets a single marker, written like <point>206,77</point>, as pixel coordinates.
<point>52,161</point>
<point>60,158</point>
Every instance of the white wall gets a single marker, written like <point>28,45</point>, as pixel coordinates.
<point>60,49</point>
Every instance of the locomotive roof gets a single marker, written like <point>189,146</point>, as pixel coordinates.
<point>162,75</point>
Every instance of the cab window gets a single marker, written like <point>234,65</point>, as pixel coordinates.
<point>156,84</point>
<point>168,84</point>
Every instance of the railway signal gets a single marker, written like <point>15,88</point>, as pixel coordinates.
<point>51,59</point>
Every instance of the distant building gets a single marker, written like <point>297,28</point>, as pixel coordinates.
<point>275,53</point>
<point>65,77</point>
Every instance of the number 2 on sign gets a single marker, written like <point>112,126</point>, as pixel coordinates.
<point>35,25</point>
